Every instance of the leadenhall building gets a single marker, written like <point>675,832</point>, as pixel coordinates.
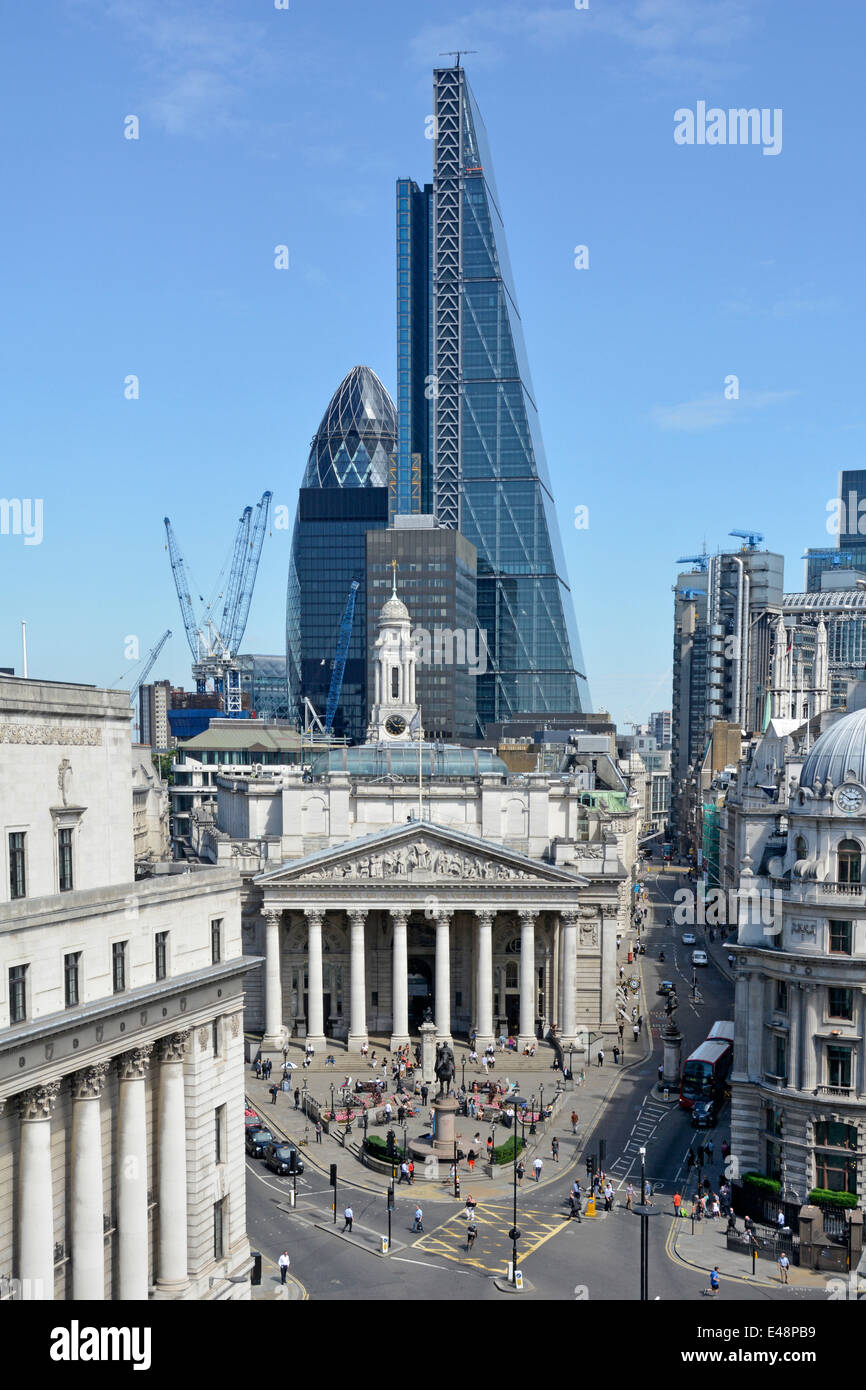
<point>399,874</point>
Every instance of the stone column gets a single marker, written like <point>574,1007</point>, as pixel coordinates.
<point>810,1047</point>
<point>484,979</point>
<point>740,1068</point>
<point>35,1194</point>
<point>443,977</point>
<point>399,981</point>
<point>861,1050</point>
<point>528,983</point>
<point>274,1031</point>
<point>315,984</point>
<point>358,982</point>
<point>755,1044</point>
<point>568,971</point>
<point>171,1149</point>
<point>795,999</point>
<point>87,1232</point>
<point>131,1168</point>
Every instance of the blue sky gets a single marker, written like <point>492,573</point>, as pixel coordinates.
<point>261,127</point>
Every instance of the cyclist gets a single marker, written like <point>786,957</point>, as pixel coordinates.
<point>471,1234</point>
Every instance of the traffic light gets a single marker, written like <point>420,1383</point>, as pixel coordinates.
<point>293,1161</point>
<point>333,1178</point>
<point>590,1165</point>
<point>602,1150</point>
<point>390,1206</point>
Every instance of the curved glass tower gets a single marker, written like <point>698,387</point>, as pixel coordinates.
<point>344,494</point>
<point>467,411</point>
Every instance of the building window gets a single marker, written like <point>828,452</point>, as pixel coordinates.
<point>773,1121</point>
<point>835,1134</point>
<point>839,1066</point>
<point>782,996</point>
<point>118,966</point>
<point>840,938</point>
<point>17,872</point>
<point>773,1167</point>
<point>219,1135</point>
<point>18,994</point>
<point>849,861</point>
<point>841,1003</point>
<point>215,1036</point>
<point>511,975</point>
<point>64,859</point>
<point>161,954</point>
<point>781,1068</point>
<point>835,1172</point>
<point>216,933</point>
<point>219,1233</point>
<point>70,978</point>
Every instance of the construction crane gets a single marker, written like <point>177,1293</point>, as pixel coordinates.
<point>214,650</point>
<point>752,538</point>
<point>247,577</point>
<point>690,593</point>
<point>148,665</point>
<point>700,562</point>
<point>342,652</point>
<point>836,556</point>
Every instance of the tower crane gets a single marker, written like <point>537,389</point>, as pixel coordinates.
<point>700,562</point>
<point>181,583</point>
<point>839,558</point>
<point>239,554</point>
<point>148,665</point>
<point>752,538</point>
<point>247,577</point>
<point>342,652</point>
<point>691,593</point>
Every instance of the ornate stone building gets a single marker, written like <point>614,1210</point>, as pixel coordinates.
<point>400,875</point>
<point>121,1042</point>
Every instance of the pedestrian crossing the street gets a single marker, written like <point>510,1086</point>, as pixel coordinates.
<point>492,1249</point>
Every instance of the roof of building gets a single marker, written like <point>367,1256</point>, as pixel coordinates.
<point>248,734</point>
<point>356,436</point>
<point>401,760</point>
<point>840,750</point>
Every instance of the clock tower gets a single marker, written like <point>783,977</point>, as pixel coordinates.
<point>394,660</point>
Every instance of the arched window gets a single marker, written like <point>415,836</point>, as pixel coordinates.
<point>849,861</point>
<point>511,975</point>
<point>395,682</point>
<point>801,849</point>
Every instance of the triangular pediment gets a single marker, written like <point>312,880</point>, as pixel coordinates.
<point>419,852</point>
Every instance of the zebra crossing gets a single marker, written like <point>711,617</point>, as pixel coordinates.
<point>647,1121</point>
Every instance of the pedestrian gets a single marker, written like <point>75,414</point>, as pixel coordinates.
<point>274,1090</point>
<point>537,1166</point>
<point>690,1159</point>
<point>489,1148</point>
<point>349,1217</point>
<point>318,1131</point>
<point>714,1282</point>
<point>636,1031</point>
<point>297,1098</point>
<point>418,1223</point>
<point>574,1119</point>
<point>678,1204</point>
<point>621,972</point>
<point>621,1029</point>
<point>425,1091</point>
<point>258,1070</point>
<point>411,1171</point>
<point>615,1055</point>
<point>780,1220</point>
<point>634,1014</point>
<point>784,1262</point>
<point>521,1172</point>
<point>661,1073</point>
<point>701,1153</point>
<point>601,1056</point>
<point>608,1196</point>
<point>404,1172</point>
<point>639,1022</point>
<point>284,1263</point>
<point>629,1198</point>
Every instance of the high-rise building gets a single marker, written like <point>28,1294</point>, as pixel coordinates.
<point>154,700</point>
<point>344,495</point>
<point>660,727</point>
<point>436,570</point>
<point>846,534</point>
<point>469,442</point>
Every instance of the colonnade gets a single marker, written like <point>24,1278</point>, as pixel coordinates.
<point>442,922</point>
<point>86,1236</point>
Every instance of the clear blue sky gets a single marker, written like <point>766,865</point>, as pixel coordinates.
<point>261,126</point>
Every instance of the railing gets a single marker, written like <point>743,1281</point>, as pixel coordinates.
<point>843,1091</point>
<point>831,885</point>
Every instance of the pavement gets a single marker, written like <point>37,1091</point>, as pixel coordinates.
<point>704,1245</point>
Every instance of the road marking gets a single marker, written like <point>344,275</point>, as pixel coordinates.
<point>445,1269</point>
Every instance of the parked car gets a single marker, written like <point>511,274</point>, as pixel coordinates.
<point>699,958</point>
<point>282,1158</point>
<point>257,1141</point>
<point>689,938</point>
<point>703,1114</point>
<point>252,1120</point>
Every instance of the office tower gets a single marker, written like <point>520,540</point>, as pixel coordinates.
<point>469,442</point>
<point>153,706</point>
<point>436,575</point>
<point>344,494</point>
<point>828,566</point>
<point>263,680</point>
<point>660,727</point>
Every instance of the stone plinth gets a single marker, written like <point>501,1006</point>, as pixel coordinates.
<point>441,1146</point>
<point>428,1052</point>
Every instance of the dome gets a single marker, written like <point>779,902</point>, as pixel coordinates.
<point>357,435</point>
<point>394,610</point>
<point>839,750</point>
<point>401,760</point>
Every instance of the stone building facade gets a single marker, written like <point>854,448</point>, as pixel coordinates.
<point>121,1040</point>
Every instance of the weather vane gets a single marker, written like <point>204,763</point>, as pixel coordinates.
<point>455,53</point>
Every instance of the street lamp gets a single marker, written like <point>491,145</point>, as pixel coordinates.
<point>406,1143</point>
<point>463,1073</point>
<point>644,1211</point>
<point>514,1233</point>
<point>541,1103</point>
<point>333,1116</point>
<point>532,1129</point>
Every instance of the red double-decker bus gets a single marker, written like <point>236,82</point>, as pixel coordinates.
<point>705,1072</point>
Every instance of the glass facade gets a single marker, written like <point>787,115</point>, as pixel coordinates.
<point>494,485</point>
<point>344,495</point>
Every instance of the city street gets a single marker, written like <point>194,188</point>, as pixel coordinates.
<point>598,1258</point>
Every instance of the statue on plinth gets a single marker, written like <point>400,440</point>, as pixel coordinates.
<point>445,1068</point>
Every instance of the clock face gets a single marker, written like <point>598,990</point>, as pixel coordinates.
<point>396,725</point>
<point>850,799</point>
